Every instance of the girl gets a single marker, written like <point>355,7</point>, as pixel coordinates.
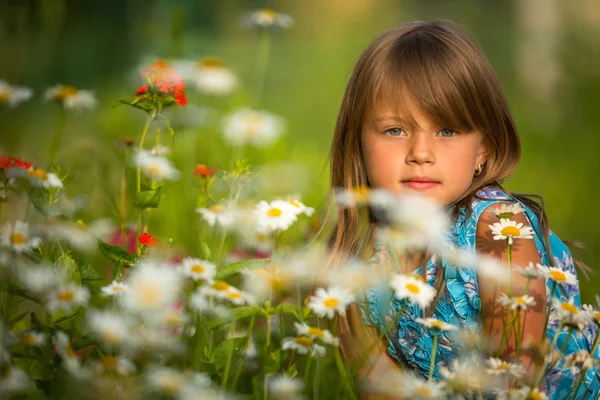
<point>424,113</point>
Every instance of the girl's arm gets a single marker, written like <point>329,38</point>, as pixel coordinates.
<point>523,252</point>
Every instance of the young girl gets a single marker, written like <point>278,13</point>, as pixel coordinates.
<point>424,113</point>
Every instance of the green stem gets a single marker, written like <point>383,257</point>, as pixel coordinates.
<point>229,357</point>
<point>262,62</point>
<point>299,301</point>
<point>508,259</point>
<point>241,364</point>
<point>61,123</point>
<point>577,385</point>
<point>433,354</point>
<point>548,310</point>
<point>139,168</point>
<point>516,323</point>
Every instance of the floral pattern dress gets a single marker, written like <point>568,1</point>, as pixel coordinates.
<point>411,343</point>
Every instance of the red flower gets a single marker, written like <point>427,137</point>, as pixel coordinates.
<point>141,90</point>
<point>10,162</point>
<point>181,99</point>
<point>164,81</point>
<point>203,171</point>
<point>147,240</point>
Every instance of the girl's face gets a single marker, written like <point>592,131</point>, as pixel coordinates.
<point>419,156</point>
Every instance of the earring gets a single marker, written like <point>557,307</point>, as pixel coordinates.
<point>479,169</point>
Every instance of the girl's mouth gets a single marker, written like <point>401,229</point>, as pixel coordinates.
<point>420,183</point>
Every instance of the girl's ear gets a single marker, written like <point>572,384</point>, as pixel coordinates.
<point>482,153</point>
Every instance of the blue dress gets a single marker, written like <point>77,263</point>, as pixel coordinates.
<point>411,344</point>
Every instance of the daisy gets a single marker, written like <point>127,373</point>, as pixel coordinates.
<point>152,287</point>
<point>71,362</point>
<point>521,302</point>
<point>436,324</point>
<point>111,328</point>
<point>114,289</point>
<point>282,387</point>
<point>300,208</point>
<point>210,75</point>
<point>109,363</point>
<point>352,197</point>
<point>66,297</point>
<point>82,236</point>
<point>32,338</point>
<point>13,381</point>
<point>508,229</point>
<point>246,126</point>
<point>463,378</point>
<point>15,236</point>
<point>497,366</point>
<point>40,279</point>
<point>12,96</point>
<point>316,333</point>
<point>276,215</point>
<point>267,18</point>
<point>166,380</point>
<point>156,167</point>
<point>413,288</point>
<point>561,276</point>
<point>532,271</point>
<point>593,314</point>
<point>198,269</point>
<point>506,211</point>
<point>492,267</point>
<point>328,302</point>
<point>303,345</point>
<point>417,388</point>
<point>580,361</point>
<point>570,314</point>
<point>39,178</point>
<point>533,394</point>
<point>224,291</point>
<point>71,98</point>
<point>218,214</point>
<point>200,304</point>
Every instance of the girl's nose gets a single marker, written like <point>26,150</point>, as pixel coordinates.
<point>420,149</point>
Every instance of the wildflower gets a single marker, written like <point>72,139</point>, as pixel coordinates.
<point>300,208</point>
<point>71,362</point>
<point>111,328</point>
<point>115,288</point>
<point>218,214</point>
<point>12,96</point>
<point>198,269</point>
<point>414,387</point>
<point>328,302</point>
<point>532,271</point>
<point>436,324</point>
<point>151,287</point>
<point>39,178</point>
<point>316,333</point>
<point>507,211</point>
<point>352,197</point>
<point>210,75</point>
<point>13,381</point>
<point>247,126</point>
<point>570,314</point>
<point>147,240</point>
<point>200,304</point>
<point>285,388</point>
<point>592,313</point>
<point>497,366</point>
<point>224,291</point>
<point>80,235</point>
<point>276,215</point>
<point>40,279</point>
<point>157,168</point>
<point>267,18</point>
<point>166,380</point>
<point>580,361</point>
<point>520,302</point>
<point>413,288</point>
<point>508,229</point>
<point>15,236</point>
<point>562,276</point>
<point>463,378</point>
<point>66,297</point>
<point>32,338</point>
<point>203,171</point>
<point>164,87</point>
<point>303,345</point>
<point>120,365</point>
<point>533,394</point>
<point>71,98</point>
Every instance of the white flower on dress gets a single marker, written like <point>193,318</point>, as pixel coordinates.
<point>70,97</point>
<point>516,303</point>
<point>247,126</point>
<point>12,95</point>
<point>152,287</point>
<point>277,215</point>
<point>66,297</point>
<point>218,215</point>
<point>436,324</point>
<point>267,18</point>
<point>413,288</point>
<point>156,167</point>
<point>508,229</point>
<point>506,211</point>
<point>210,75</point>
<point>316,333</point>
<point>497,366</point>
<point>303,345</point>
<point>328,302</point>
<point>284,388</point>
<point>559,275</point>
<point>15,236</point>
<point>198,269</point>
<point>115,288</point>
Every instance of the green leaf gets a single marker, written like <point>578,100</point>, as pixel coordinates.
<point>69,266</point>
<point>235,268</point>
<point>148,198</point>
<point>238,313</point>
<point>89,273</point>
<point>17,318</point>
<point>19,292</point>
<point>65,318</point>
<point>287,308</point>
<point>291,371</point>
<point>271,362</point>
<point>204,251</point>
<point>37,198</point>
<point>222,350</point>
<point>117,268</point>
<point>116,253</point>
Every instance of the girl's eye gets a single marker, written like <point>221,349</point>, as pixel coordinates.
<point>447,133</point>
<point>395,132</point>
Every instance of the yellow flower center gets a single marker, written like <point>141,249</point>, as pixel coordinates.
<point>570,308</point>
<point>521,300</point>
<point>65,295</point>
<point>29,340</point>
<point>509,231</point>
<point>110,336</point>
<point>4,95</point>
<point>80,224</point>
<point>148,294</point>
<point>361,193</point>
<point>217,208</point>
<point>17,238</point>
<point>70,352</point>
<point>117,288</point>
<point>504,366</point>
<point>295,203</point>
<point>173,319</point>
<point>435,324</point>
<point>423,391</point>
<point>220,285</point>
<point>558,276</point>
<point>109,362</point>
<point>535,396</point>
<point>154,169</point>
<point>414,289</point>
<point>304,341</point>
<point>267,15</point>
<point>197,269</point>
<point>38,173</point>
<point>274,212</point>
<point>65,92</point>
<point>331,302</point>
<point>234,295</point>
<point>171,385</point>
<point>315,332</point>
<point>597,315</point>
<point>211,62</point>
<point>253,124</point>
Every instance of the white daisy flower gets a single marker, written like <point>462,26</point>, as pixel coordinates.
<point>267,18</point>
<point>166,380</point>
<point>497,366</point>
<point>463,378</point>
<point>316,333</point>
<point>224,291</point>
<point>159,150</point>
<point>353,197</point>
<point>15,236</point>
<point>507,211</point>
<point>210,75</point>
<point>111,328</point>
<point>508,229</point>
<point>276,215</point>
<point>460,258</point>
<point>219,215</point>
<point>300,208</point>
<point>198,269</point>
<point>12,96</point>
<point>559,275</point>
<point>71,98</point>
<point>152,287</point>
<point>357,278</point>
<point>32,338</point>
<point>156,167</point>
<point>202,306</point>
<point>521,302</point>
<point>328,302</point>
<point>81,236</point>
<point>569,314</point>
<point>533,393</point>
<point>66,297</point>
<point>593,314</point>
<point>413,288</point>
<point>532,271</point>
<point>109,363</point>
<point>418,389</point>
<point>39,178</point>
<point>282,387</point>
<point>579,361</point>
<point>436,324</point>
<point>114,289</point>
<point>246,126</point>
<point>492,267</point>
<point>40,279</point>
<point>303,345</point>
<point>71,362</point>
<point>13,382</point>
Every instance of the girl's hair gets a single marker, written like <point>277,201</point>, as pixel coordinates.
<point>450,79</point>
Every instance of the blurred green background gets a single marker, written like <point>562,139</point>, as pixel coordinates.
<point>545,52</point>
